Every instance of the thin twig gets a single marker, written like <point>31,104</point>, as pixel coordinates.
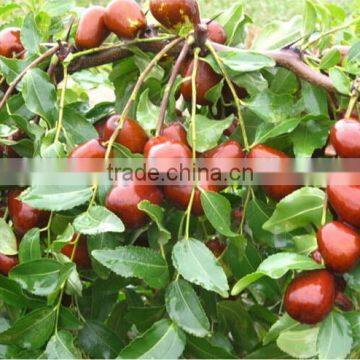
<point>170,84</point>
<point>61,106</point>
<point>134,94</point>
<point>36,62</point>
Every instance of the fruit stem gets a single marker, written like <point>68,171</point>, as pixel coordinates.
<point>61,105</point>
<point>233,92</point>
<point>16,81</point>
<point>188,213</point>
<point>137,88</point>
<point>325,207</point>
<point>249,194</point>
<point>351,106</point>
<point>331,31</point>
<point>170,84</point>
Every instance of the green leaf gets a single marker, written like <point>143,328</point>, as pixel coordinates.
<point>315,99</point>
<point>299,344</point>
<point>40,277</point>
<point>217,209</point>
<point>98,220</point>
<point>30,35</point>
<point>162,341</point>
<point>284,82</point>
<point>276,266</point>
<point>208,132</point>
<point>299,209</point>
<point>4,9</point>
<point>29,248</point>
<point>56,198</point>
<point>58,8</point>
<point>147,113</point>
<point>310,17</point>
<point>268,131</point>
<point>40,95</point>
<point>311,134</point>
<point>335,337</point>
<point>63,239</point>
<point>144,316</point>
<point>156,213</point>
<point>61,346</point>
<point>11,68</point>
<point>205,348</point>
<point>305,244</point>
<point>330,59</point>
<point>278,35</point>
<point>131,261</point>
<point>353,318</point>
<point>197,264</point>
<point>242,61</point>
<point>31,331</point>
<point>341,82</point>
<point>353,278</point>
<point>184,308</point>
<point>8,243</point>
<point>99,341</point>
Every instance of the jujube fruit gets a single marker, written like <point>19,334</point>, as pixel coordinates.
<point>339,245</point>
<point>125,18</point>
<point>310,297</point>
<point>81,256</point>
<point>206,79</point>
<point>343,301</point>
<point>345,138</point>
<point>276,192</point>
<point>173,14</point>
<point>132,135</point>
<point>23,216</point>
<point>91,149</point>
<point>176,132</point>
<point>92,30</point>
<point>216,31</point>
<point>124,198</point>
<point>10,42</point>
<point>7,263</point>
<point>216,246</point>
<point>180,195</point>
<point>346,202</point>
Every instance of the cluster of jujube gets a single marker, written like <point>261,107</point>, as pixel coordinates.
<point>311,296</point>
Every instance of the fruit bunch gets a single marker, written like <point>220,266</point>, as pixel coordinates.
<point>135,267</point>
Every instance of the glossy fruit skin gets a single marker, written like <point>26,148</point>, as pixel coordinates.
<point>132,135</point>
<point>10,42</point>
<point>100,128</point>
<point>173,14</point>
<point>276,192</point>
<point>317,257</point>
<point>81,258</point>
<point>216,246</point>
<point>345,138</point>
<point>7,263</point>
<point>225,157</point>
<point>92,30</point>
<point>206,78</point>
<point>23,216</point>
<point>310,297</point>
<point>346,202</point>
<point>123,201</point>
<point>125,18</point>
<point>176,132</point>
<point>343,302</point>
<point>216,31</point>
<point>89,150</point>
<point>339,245</point>
<point>180,195</point>
<point>167,155</point>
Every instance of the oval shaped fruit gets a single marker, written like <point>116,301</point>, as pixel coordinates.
<point>81,257</point>
<point>216,31</point>
<point>180,195</point>
<point>125,18</point>
<point>310,297</point>
<point>276,192</point>
<point>23,216</point>
<point>132,135</point>
<point>7,263</point>
<point>176,132</point>
<point>92,30</point>
<point>91,149</point>
<point>346,202</point>
<point>216,246</point>
<point>124,198</point>
<point>167,155</point>
<point>10,42</point>
<point>173,14</point>
<point>339,245</point>
<point>206,78</point>
<point>345,138</point>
